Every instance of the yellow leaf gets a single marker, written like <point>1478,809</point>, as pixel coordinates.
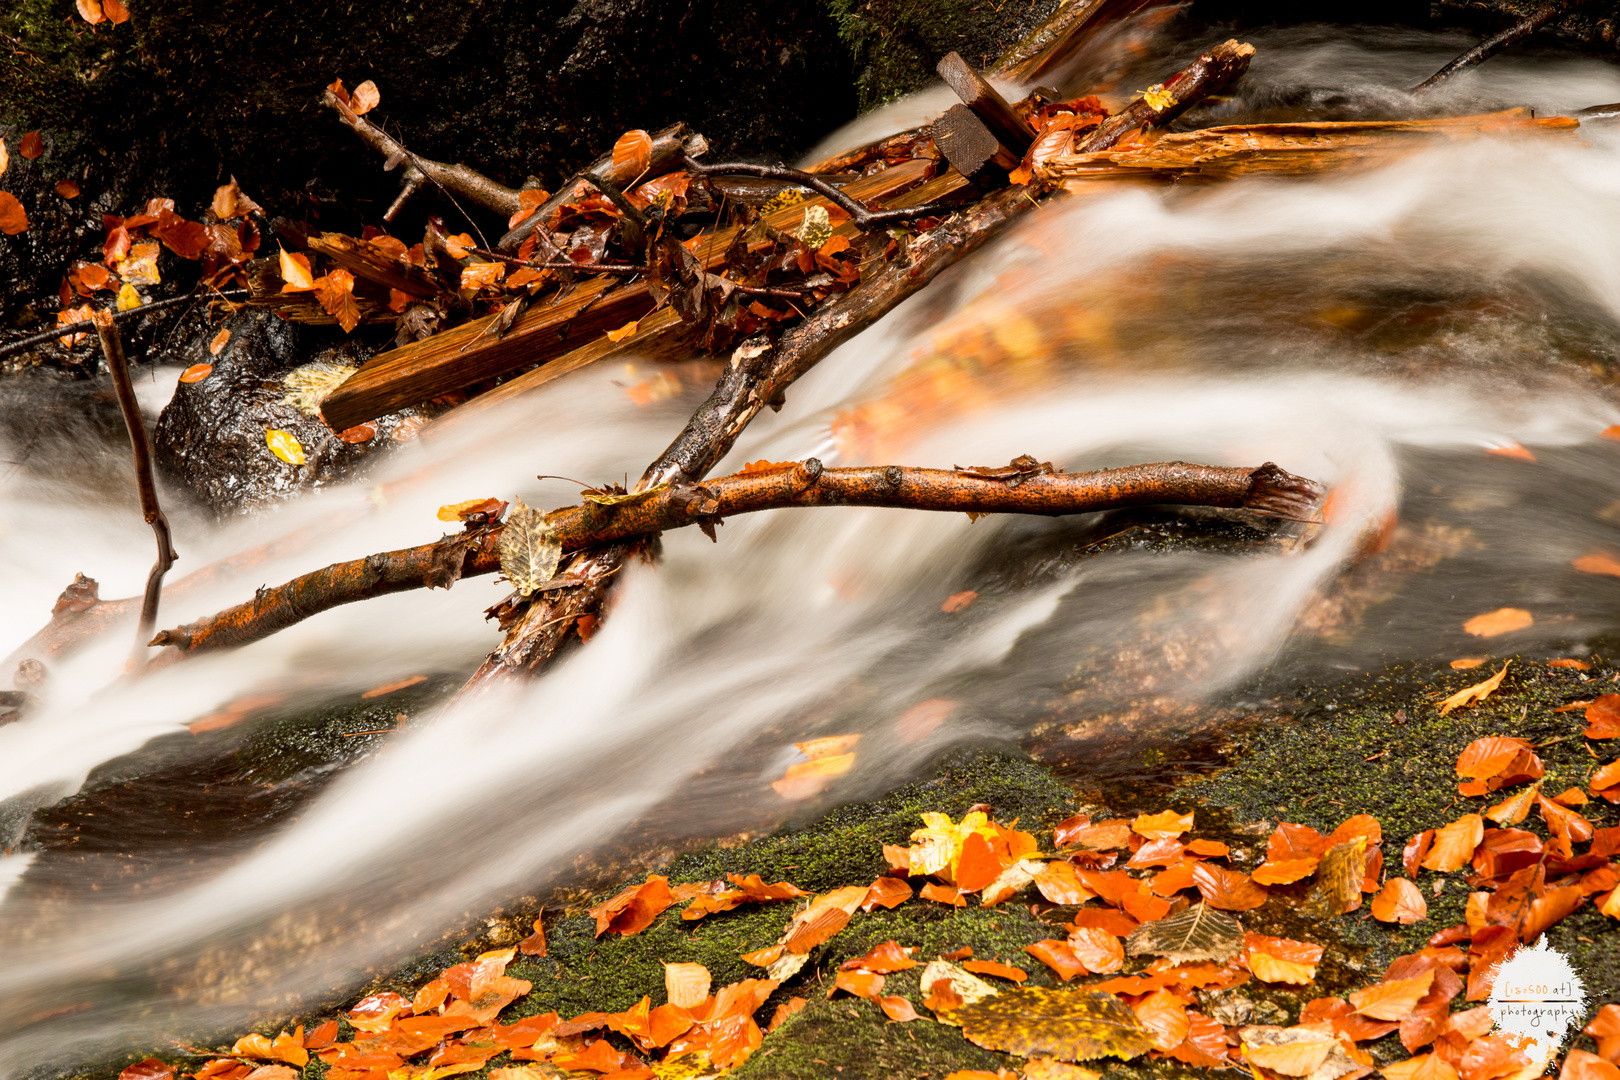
<point>1158,97</point>
<point>827,746</point>
<point>128,298</point>
<point>139,267</point>
<point>284,445</point>
<point>623,332</point>
<point>1158,826</point>
<point>295,272</point>
<point>1477,692</point>
<point>529,549</point>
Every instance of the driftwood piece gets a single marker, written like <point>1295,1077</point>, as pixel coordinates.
<point>112,347</point>
<point>1004,125</point>
<point>613,532</point>
<point>470,353</point>
<point>1496,43</point>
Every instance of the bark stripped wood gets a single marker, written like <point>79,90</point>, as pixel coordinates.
<point>613,533</point>
<point>1004,125</point>
<point>669,146</point>
<point>470,184</point>
<point>112,347</point>
<point>551,327</point>
<point>1493,45</point>
<point>1288,149</point>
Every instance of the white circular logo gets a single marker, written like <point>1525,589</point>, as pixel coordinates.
<point>1538,997</point>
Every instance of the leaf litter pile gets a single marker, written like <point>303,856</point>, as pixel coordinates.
<point>1153,930</point>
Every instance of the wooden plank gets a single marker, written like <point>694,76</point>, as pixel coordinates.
<point>971,149</point>
<point>467,354</point>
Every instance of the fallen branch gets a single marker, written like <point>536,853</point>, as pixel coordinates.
<point>1042,491</point>
<point>87,325</point>
<point>112,347</point>
<point>863,218</point>
<point>1493,45</point>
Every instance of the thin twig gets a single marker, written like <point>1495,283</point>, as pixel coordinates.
<point>631,270</point>
<point>863,218</point>
<point>112,347</point>
<point>1493,45</point>
<point>86,325</point>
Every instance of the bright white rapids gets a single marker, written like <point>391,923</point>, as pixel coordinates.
<point>716,643</point>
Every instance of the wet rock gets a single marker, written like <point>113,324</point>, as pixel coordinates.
<point>211,438</point>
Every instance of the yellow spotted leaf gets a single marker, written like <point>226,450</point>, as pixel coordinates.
<point>1070,1023</point>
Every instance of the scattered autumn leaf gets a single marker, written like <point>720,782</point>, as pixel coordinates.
<point>1229,890</point>
<point>31,146</point>
<point>957,601</point>
<point>1598,563</point>
<point>1068,1024</point>
<point>1477,692</point>
<point>285,445</point>
<point>13,218</point>
<point>1399,902</point>
<point>1603,717</point>
<point>1454,844</point>
<point>1165,824</point>
<point>1281,960</point>
<point>364,98</point>
<point>993,967</point>
<point>632,155</point>
<point>67,189</point>
<point>196,373</point>
<point>1499,622</point>
<point>1199,933</point>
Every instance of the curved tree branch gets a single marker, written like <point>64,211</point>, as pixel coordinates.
<point>615,528</point>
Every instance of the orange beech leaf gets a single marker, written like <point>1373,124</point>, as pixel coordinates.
<point>634,909</point>
<point>1580,1065</point>
<point>295,272</point>
<point>335,292</point>
<point>1400,902</point>
<point>1415,851</point>
<point>1392,1000</point>
<point>1205,1044</point>
<point>763,957</point>
<point>1067,828</point>
<point>632,155</point>
<point>1605,1028</point>
<point>686,985</point>
<point>944,894</point>
<point>1103,836</point>
<point>1285,871</point>
<point>806,778</point>
<point>981,1074</point>
<point>1511,450</point>
<point>1605,780</point>
<point>1564,823</point>
<point>888,892</point>
<point>1578,665</point>
<point>863,984</point>
<point>1422,1067</point>
<point>1162,852</point>
<point>1173,880</point>
<point>1100,951</point>
<point>67,189</point>
<point>1603,717</point>
<point>1514,808</point>
<point>1571,797</point>
<point>1058,956</point>
<point>1291,841</point>
<point>785,1010</point>
<point>1549,909</point>
<point>150,1069</point>
<point>993,967</point>
<point>31,145</point>
<point>377,1012</point>
<point>431,995</point>
<point>1485,758</point>
<point>525,1032</point>
<point>13,218</point>
<point>1597,563</point>
<point>1468,663</point>
<point>885,959</point>
<point>1160,825</point>
<point>218,1069</point>
<point>1109,920</point>
<point>600,1056</point>
<point>1228,890</point>
<point>826,915</point>
<point>364,98</point>
<point>956,601</point>
<point>827,746</point>
<point>1454,844</point>
<point>90,11</point>
<point>1492,1056</point>
<point>1208,848</point>
<point>1301,1054</point>
<point>1281,960</point>
<point>221,339</point>
<point>963,953</point>
<point>1165,1015</point>
<point>1061,884</point>
<point>898,1009</point>
<point>977,865</point>
<point>942,997</point>
<point>1469,695</point>
<point>1498,622</point>
<point>196,373</point>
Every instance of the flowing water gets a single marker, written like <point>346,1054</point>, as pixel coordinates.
<point>1380,331</point>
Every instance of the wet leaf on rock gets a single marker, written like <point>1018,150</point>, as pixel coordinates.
<point>285,445</point>
<point>1069,1024</point>
<point>1199,933</point>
